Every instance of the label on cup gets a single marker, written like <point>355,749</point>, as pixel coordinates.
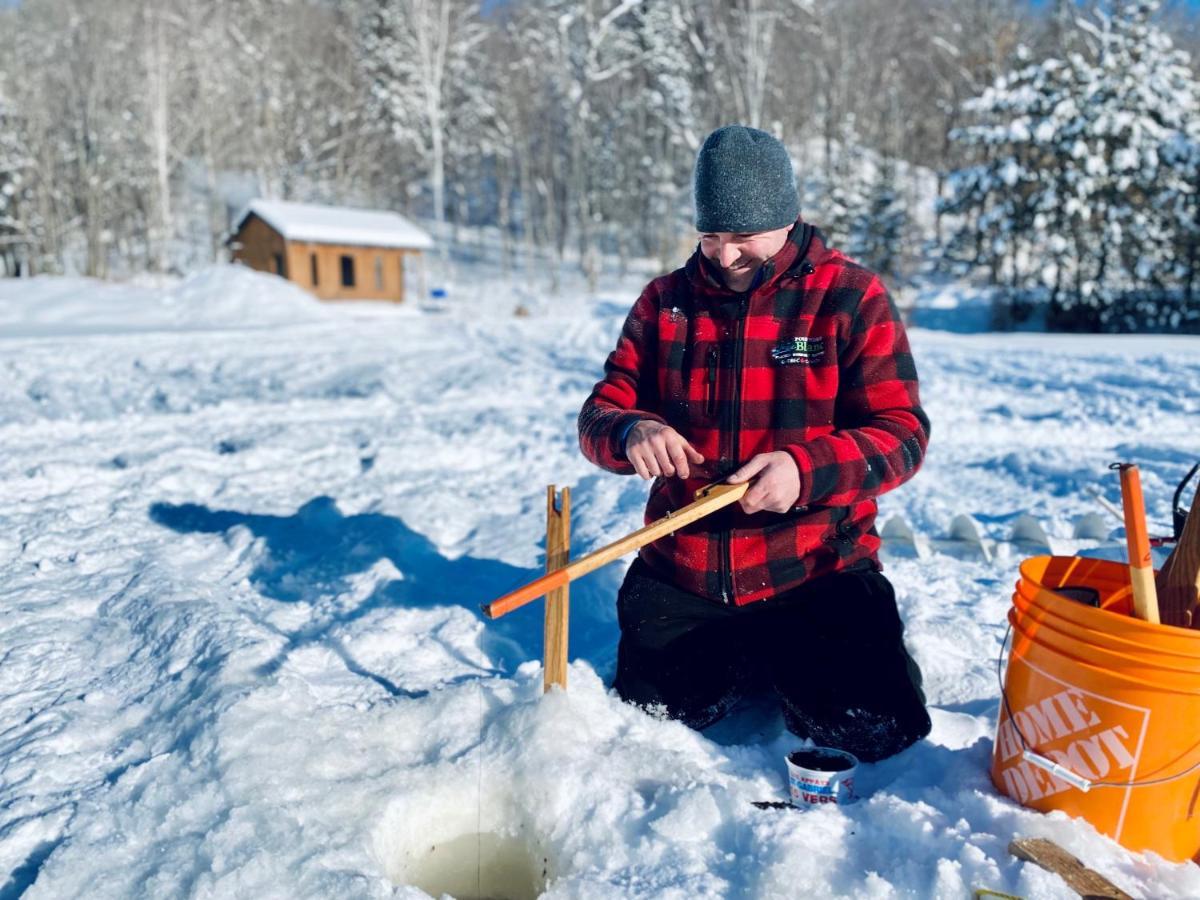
<point>807,790</point>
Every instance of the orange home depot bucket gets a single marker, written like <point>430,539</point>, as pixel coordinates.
<point>1113,700</point>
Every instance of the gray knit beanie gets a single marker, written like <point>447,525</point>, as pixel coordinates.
<point>744,182</point>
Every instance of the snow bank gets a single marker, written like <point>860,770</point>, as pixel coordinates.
<point>226,296</point>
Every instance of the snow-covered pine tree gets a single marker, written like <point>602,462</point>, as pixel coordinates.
<point>878,234</point>
<point>840,190</point>
<point>1181,202</point>
<point>1069,196</point>
<point>1140,96</point>
<point>1009,200</point>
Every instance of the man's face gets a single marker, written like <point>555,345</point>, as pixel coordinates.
<point>740,256</point>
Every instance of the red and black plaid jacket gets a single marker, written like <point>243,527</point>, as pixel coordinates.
<point>814,361</point>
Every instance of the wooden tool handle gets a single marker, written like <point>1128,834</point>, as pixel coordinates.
<point>1141,566</point>
<point>708,500</point>
<point>1178,580</point>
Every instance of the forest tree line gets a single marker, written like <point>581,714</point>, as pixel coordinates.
<point>131,132</point>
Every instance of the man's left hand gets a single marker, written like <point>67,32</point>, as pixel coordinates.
<point>776,485</point>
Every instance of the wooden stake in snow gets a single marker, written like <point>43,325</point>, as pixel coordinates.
<point>708,500</point>
<point>1179,579</point>
<point>558,553</point>
<point>1141,566</point>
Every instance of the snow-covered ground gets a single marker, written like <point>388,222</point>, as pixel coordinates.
<point>243,540</point>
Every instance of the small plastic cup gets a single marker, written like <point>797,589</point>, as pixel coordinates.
<point>821,775</point>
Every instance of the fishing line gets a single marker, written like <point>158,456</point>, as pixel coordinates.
<point>1025,745</point>
<point>479,802</point>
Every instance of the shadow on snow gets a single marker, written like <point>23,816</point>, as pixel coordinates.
<point>318,550</point>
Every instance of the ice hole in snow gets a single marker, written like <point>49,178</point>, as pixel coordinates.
<point>448,839</point>
<point>480,866</point>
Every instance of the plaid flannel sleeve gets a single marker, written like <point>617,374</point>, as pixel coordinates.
<point>881,431</point>
<point>628,391</point>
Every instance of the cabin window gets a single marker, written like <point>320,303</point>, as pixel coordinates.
<point>280,269</point>
<point>347,271</point>
<point>379,273</point>
<point>312,258</point>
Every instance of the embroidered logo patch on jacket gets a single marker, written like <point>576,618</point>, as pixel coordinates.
<point>798,351</point>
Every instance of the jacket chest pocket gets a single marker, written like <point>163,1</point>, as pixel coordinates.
<point>712,371</point>
<point>691,373</point>
<point>702,382</point>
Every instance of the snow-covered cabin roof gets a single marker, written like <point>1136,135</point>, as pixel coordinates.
<point>338,225</point>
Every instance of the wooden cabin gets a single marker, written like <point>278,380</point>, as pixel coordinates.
<point>336,253</point>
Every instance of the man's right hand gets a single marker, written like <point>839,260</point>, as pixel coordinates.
<point>657,449</point>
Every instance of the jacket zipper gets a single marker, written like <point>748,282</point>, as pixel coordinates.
<point>714,360</point>
<point>735,440</point>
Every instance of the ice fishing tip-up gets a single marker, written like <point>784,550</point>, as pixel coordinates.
<point>708,500</point>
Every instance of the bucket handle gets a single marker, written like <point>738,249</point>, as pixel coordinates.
<point>1058,770</point>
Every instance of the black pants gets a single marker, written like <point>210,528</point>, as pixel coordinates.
<point>832,649</point>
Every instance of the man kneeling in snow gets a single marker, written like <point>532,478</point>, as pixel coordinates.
<point>770,358</point>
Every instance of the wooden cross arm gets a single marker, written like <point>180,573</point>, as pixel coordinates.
<point>708,500</point>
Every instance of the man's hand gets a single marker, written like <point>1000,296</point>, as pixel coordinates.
<point>776,484</point>
<point>657,449</point>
